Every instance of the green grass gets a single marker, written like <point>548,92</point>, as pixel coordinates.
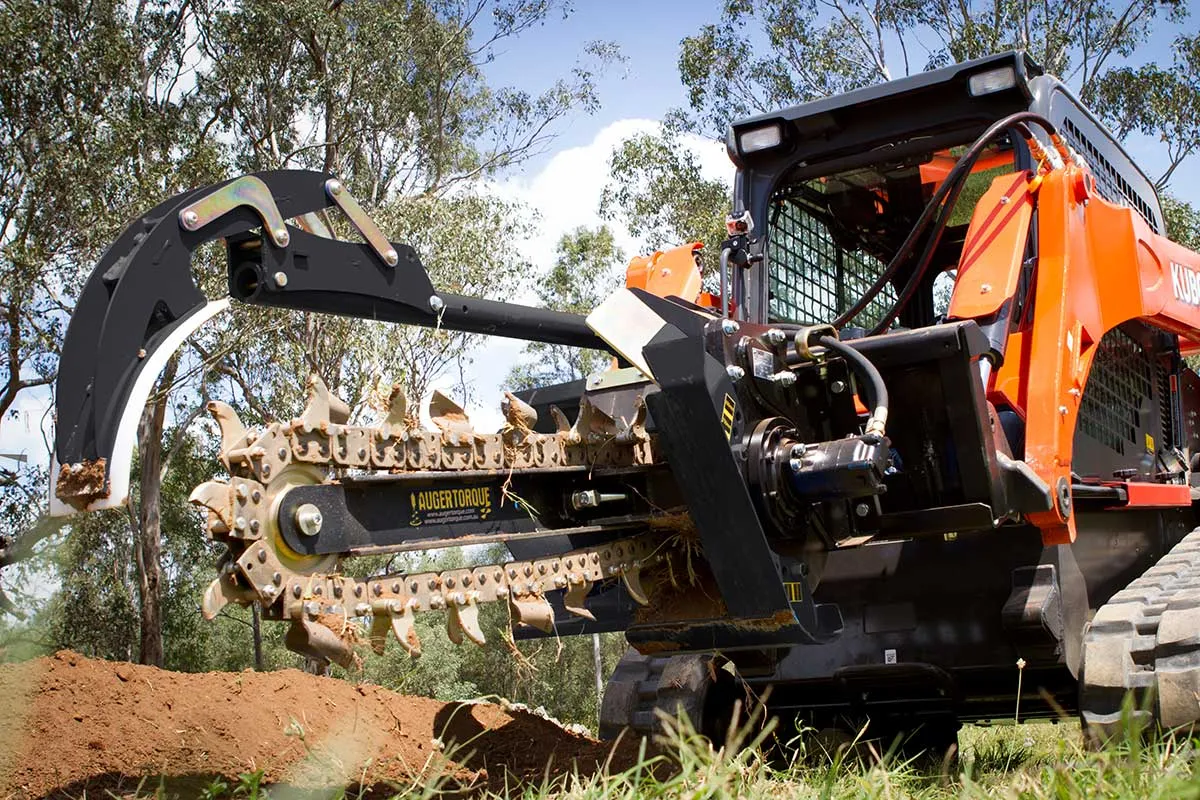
<point>1025,762</point>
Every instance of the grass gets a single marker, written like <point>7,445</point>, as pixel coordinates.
<point>1024,762</point>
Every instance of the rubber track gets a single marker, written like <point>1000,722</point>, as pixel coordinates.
<point>1146,640</point>
<point>643,686</point>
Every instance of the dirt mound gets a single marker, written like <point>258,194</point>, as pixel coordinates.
<point>70,725</point>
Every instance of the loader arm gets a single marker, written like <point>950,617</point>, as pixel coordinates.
<point>1099,265</point>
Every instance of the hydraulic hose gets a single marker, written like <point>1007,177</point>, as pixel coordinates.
<point>877,393</point>
<point>953,182</point>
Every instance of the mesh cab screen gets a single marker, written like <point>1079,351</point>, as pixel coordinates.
<point>812,279</point>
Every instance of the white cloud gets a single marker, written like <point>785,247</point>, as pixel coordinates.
<point>565,194</point>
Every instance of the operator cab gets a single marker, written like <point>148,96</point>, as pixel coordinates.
<point>831,190</point>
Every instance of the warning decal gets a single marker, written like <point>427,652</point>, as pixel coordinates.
<point>727,413</point>
<point>468,504</point>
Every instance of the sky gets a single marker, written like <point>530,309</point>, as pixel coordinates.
<point>563,184</point>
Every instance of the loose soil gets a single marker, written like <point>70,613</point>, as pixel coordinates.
<point>71,726</point>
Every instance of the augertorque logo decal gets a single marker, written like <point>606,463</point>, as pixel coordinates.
<point>1185,283</point>
<point>727,412</point>
<point>471,504</point>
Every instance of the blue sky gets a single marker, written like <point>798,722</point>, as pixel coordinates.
<point>647,84</point>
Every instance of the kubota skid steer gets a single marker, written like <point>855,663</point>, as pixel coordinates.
<point>936,424</point>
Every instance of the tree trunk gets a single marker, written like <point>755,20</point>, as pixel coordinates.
<point>599,664</point>
<point>148,547</point>
<point>256,628</point>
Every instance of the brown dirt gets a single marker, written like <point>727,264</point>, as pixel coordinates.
<point>71,726</point>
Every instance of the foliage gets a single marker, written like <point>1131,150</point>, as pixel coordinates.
<point>585,271</point>
<point>658,192</point>
<point>763,56</point>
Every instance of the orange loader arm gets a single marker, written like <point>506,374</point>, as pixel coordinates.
<point>1098,265</point>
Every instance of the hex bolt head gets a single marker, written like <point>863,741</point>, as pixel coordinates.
<point>282,236</point>
<point>729,327</point>
<point>775,336</point>
<point>281,279</point>
<point>862,509</point>
<point>308,519</point>
<point>189,220</point>
<point>735,372</point>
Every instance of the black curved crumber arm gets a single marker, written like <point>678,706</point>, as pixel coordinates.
<point>141,299</point>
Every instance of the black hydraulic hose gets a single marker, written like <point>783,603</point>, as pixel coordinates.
<point>957,175</point>
<point>926,257</point>
<point>876,389</point>
<point>967,161</point>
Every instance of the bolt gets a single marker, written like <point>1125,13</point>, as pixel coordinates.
<point>276,578</point>
<point>1062,410</point>
<point>241,491</point>
<point>391,257</point>
<point>281,279</point>
<point>190,219</point>
<point>316,590</point>
<point>308,519</point>
<point>436,303</point>
<point>396,588</point>
<point>729,327</point>
<point>256,495</point>
<point>334,186</point>
<point>239,524</point>
<point>282,453</point>
<point>262,556</point>
<point>735,372</point>
<point>837,387</point>
<point>775,336</point>
<point>255,525</point>
<point>796,465</point>
<point>985,288</point>
<point>282,236</point>
<point>1004,200</point>
<point>270,591</point>
<point>862,509</point>
<point>784,378</point>
<point>297,591</point>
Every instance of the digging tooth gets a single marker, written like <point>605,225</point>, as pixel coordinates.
<point>397,405</point>
<point>533,610</point>
<point>233,432</point>
<point>463,619</point>
<point>217,498</point>
<point>318,642</point>
<point>573,599</point>
<point>380,625</point>
<point>636,429</point>
<point>449,417</point>
<point>406,633</point>
<point>323,406</point>
<point>561,423</point>
<point>219,594</point>
<point>632,578</point>
<point>592,423</point>
<point>517,412</point>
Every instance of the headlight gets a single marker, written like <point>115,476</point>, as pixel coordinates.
<point>762,138</point>
<point>994,80</point>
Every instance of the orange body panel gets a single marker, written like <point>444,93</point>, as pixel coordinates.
<point>1099,265</point>
<point>667,273</point>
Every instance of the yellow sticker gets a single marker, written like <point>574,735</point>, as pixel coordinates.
<point>727,413</point>
<point>466,504</point>
<point>1149,443</point>
<point>795,591</point>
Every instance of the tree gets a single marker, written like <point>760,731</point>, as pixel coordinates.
<point>657,190</point>
<point>767,55</point>
<point>119,105</point>
<point>584,273</point>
